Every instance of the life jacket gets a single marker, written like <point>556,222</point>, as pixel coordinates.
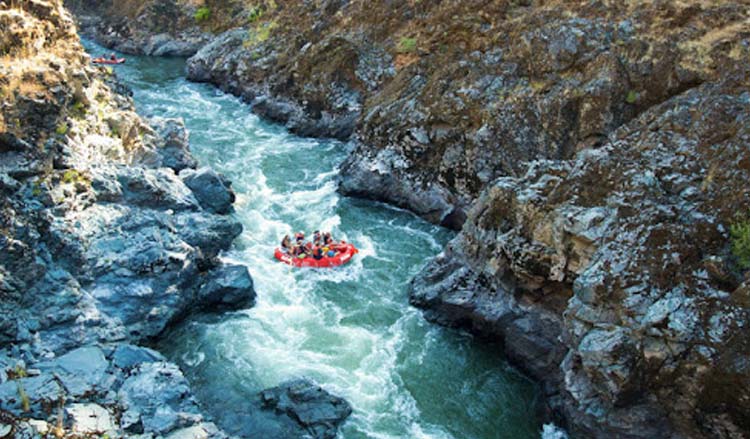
<point>317,253</point>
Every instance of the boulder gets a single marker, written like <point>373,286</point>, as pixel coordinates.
<point>82,371</point>
<point>155,188</point>
<point>128,356</point>
<point>157,399</point>
<point>38,394</point>
<point>227,287</point>
<point>317,412</point>
<point>175,147</point>
<point>213,191</point>
<point>90,419</point>
<point>210,233</point>
<point>204,430</point>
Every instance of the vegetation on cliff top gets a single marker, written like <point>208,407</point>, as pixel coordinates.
<point>740,235</point>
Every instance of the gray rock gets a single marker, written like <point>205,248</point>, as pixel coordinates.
<point>205,430</point>
<point>82,371</point>
<point>128,356</point>
<point>175,149</point>
<point>213,191</point>
<point>8,185</point>
<point>37,393</point>
<point>199,66</point>
<point>318,413</point>
<point>90,418</point>
<point>210,233</point>
<point>155,188</point>
<point>5,430</point>
<point>594,273</point>
<point>229,286</point>
<point>162,29</point>
<point>102,245</point>
<point>157,399</point>
<point>221,60</point>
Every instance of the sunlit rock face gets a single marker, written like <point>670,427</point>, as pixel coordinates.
<point>102,242</point>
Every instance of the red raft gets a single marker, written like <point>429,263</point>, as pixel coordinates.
<point>108,61</point>
<point>344,253</point>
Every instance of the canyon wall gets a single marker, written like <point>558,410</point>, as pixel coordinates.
<point>593,155</point>
<point>108,234</point>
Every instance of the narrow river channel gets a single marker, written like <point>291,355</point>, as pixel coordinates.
<point>350,329</point>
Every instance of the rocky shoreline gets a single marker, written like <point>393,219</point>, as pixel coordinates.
<point>109,234</point>
<point>595,291</point>
<point>593,155</point>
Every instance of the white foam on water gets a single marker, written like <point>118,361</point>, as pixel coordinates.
<point>294,332</point>
<point>552,431</point>
<point>193,359</point>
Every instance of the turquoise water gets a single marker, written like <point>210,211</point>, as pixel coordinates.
<point>350,329</point>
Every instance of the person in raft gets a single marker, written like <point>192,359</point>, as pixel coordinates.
<point>320,247</point>
<point>286,244</point>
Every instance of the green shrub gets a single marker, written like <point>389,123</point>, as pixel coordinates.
<point>740,238</point>
<point>255,14</point>
<point>259,34</point>
<point>79,110</point>
<point>36,189</point>
<point>202,14</point>
<point>25,403</point>
<point>631,97</point>
<point>19,373</point>
<point>72,176</point>
<point>62,129</point>
<point>407,45</point>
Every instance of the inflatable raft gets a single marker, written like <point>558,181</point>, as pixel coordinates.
<point>344,253</point>
<point>108,61</point>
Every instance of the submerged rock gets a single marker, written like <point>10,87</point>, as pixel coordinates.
<point>317,412</point>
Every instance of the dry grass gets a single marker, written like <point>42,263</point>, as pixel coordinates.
<point>724,34</point>
<point>30,88</point>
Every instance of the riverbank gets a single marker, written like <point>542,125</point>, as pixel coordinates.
<point>104,244</point>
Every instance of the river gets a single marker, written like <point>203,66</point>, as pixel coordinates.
<point>350,329</point>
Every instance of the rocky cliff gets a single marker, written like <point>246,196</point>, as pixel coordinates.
<point>609,277</point>
<point>593,153</point>
<point>445,96</point>
<point>107,235</point>
<point>163,28</point>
